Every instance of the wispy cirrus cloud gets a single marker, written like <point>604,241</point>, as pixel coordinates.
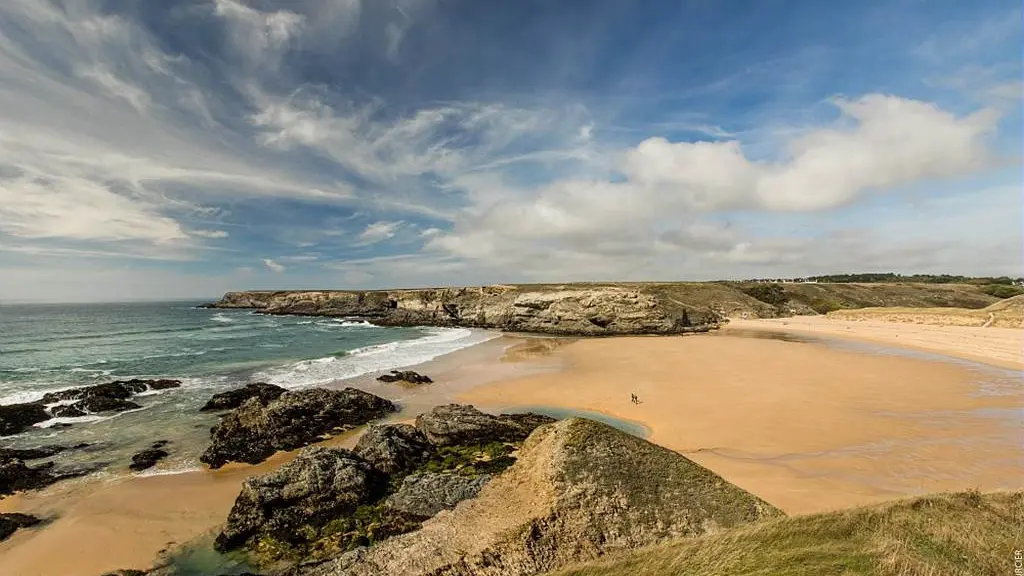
<point>195,133</point>
<point>273,265</point>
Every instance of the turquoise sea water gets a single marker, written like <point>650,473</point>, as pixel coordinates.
<point>50,347</point>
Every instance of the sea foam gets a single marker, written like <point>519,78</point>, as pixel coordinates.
<point>376,358</point>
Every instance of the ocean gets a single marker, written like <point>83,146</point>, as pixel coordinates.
<point>46,347</point>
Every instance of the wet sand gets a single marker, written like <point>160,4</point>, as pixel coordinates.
<point>998,346</point>
<point>805,426</point>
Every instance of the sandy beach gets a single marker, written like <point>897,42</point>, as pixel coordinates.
<point>807,426</point>
<point>998,346</point>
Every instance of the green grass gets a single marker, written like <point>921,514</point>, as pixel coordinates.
<point>471,460</point>
<point>962,534</point>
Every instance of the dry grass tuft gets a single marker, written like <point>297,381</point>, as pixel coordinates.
<point>961,534</point>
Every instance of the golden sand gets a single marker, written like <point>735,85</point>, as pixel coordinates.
<point>999,346</point>
<point>103,526</point>
<point>806,427</point>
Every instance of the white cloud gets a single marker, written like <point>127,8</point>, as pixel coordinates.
<point>894,141</point>
<point>105,137</point>
<point>878,143</point>
<point>259,37</point>
<point>115,86</point>
<point>215,234</point>
<point>379,231</point>
<point>273,266</point>
<point>444,141</point>
<point>40,206</point>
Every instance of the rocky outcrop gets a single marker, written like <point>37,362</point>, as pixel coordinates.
<point>407,376</point>
<point>16,476</point>
<point>9,523</point>
<point>101,404</point>
<point>67,411</point>
<point>319,485</point>
<point>119,389</point>
<point>16,418</point>
<point>411,480</point>
<point>255,430</point>
<point>453,424</point>
<point>234,398</point>
<point>148,458</point>
<point>76,402</point>
<point>36,453</point>
<point>394,448</point>
<point>427,494</point>
<point>567,310</point>
<point>579,490</point>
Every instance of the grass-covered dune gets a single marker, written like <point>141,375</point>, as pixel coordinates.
<point>960,534</point>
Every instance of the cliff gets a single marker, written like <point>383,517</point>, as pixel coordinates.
<point>605,309</point>
<point>571,310</point>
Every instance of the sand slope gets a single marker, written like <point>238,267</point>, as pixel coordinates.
<point>998,346</point>
<point>1007,313</point>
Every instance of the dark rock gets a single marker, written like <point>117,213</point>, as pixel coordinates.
<point>319,485</point>
<point>234,398</point>
<point>67,411</point>
<point>16,476</point>
<point>36,453</point>
<point>393,448</point>
<point>120,389</point>
<point>405,376</point>
<point>16,418</point>
<point>160,444</point>
<point>147,458</point>
<point>162,384</point>
<point>427,494</point>
<point>11,522</point>
<point>127,572</point>
<point>254,431</point>
<point>27,453</point>
<point>454,424</point>
<point>96,404</point>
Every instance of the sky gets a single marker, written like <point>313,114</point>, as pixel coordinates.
<point>185,148</point>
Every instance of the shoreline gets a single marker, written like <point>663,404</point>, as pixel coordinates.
<point>134,518</point>
<point>821,460</point>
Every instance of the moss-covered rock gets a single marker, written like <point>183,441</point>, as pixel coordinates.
<point>578,490</point>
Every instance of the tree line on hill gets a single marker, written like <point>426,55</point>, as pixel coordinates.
<point>875,277</point>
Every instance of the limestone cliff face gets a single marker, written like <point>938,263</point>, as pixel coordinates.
<point>597,311</point>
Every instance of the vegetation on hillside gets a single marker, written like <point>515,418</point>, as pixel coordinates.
<point>961,534</point>
<point>1008,313</point>
<point>1003,290</point>
<point>876,277</point>
<point>772,293</point>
